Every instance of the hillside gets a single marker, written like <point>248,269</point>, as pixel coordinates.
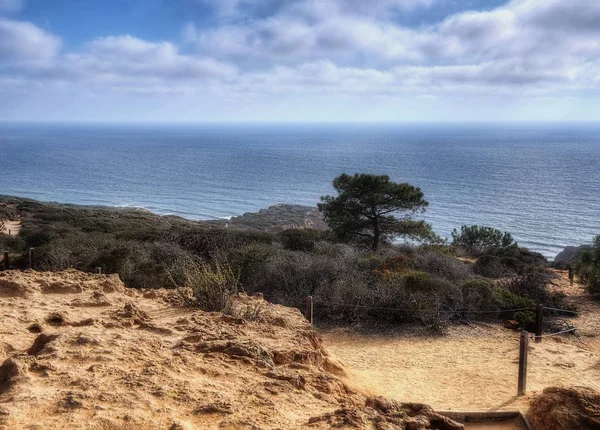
<point>277,218</point>
<point>82,351</point>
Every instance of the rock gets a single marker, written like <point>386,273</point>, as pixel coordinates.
<point>35,328</point>
<point>150,295</point>
<point>84,322</point>
<point>71,400</point>
<point>387,414</point>
<point>181,425</point>
<point>218,407</point>
<point>60,288</point>
<point>40,343</point>
<point>568,256</point>
<point>56,319</point>
<point>132,311</point>
<point>511,324</point>
<point>565,409</point>
<point>13,289</point>
<point>11,372</point>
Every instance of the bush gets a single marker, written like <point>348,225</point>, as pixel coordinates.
<point>478,295</point>
<point>476,239</point>
<point>500,266</point>
<point>442,266</point>
<point>531,286</point>
<point>212,284</point>
<point>587,268</point>
<point>423,284</point>
<point>491,266</point>
<point>301,239</point>
<point>505,300</point>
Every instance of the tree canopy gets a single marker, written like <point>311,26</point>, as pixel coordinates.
<point>477,239</point>
<point>374,208</point>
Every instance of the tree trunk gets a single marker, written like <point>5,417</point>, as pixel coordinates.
<point>376,235</point>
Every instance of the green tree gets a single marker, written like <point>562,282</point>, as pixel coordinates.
<point>478,239</point>
<point>374,208</point>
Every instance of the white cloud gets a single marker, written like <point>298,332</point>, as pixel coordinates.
<point>330,48</point>
<point>22,41</point>
<point>521,43</point>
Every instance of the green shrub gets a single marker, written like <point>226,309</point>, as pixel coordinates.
<point>416,280</point>
<point>506,299</point>
<point>491,266</point>
<point>442,265</point>
<point>476,239</point>
<point>587,268</point>
<point>478,294</point>
<point>531,286</point>
<point>301,239</point>
<point>526,319</point>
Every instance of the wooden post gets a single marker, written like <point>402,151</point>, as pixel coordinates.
<point>31,258</point>
<point>523,350</point>
<point>539,323</point>
<point>99,270</point>
<point>309,309</point>
<point>6,262</point>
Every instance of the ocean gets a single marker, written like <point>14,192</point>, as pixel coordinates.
<point>541,182</point>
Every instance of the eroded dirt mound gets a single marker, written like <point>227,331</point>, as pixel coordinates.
<point>82,351</point>
<point>565,409</point>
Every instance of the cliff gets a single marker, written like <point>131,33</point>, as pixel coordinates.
<point>82,351</point>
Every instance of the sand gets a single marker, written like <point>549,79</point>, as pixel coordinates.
<point>472,367</point>
<point>80,351</point>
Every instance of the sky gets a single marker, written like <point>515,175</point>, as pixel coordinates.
<point>299,60</point>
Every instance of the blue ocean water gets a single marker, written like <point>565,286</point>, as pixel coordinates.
<point>541,182</point>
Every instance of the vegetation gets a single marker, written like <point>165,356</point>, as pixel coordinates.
<point>587,268</point>
<point>477,240</point>
<point>366,207</point>
<point>427,283</point>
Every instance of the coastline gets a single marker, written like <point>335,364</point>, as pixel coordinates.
<point>273,218</point>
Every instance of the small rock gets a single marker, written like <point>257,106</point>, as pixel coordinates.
<point>56,319</point>
<point>35,328</point>
<point>218,407</point>
<point>150,295</point>
<point>181,425</point>
<point>511,324</point>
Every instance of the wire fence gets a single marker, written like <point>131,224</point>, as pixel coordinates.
<point>461,311</point>
<point>524,337</point>
<point>458,311</point>
<point>539,310</point>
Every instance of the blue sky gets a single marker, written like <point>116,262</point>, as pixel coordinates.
<point>299,60</point>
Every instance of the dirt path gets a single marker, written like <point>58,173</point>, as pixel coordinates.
<point>472,368</point>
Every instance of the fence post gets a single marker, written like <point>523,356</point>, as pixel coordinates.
<point>309,309</point>
<point>6,262</point>
<point>31,258</point>
<point>539,322</point>
<point>523,350</point>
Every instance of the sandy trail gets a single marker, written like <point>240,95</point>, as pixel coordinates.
<point>472,368</point>
<point>9,227</point>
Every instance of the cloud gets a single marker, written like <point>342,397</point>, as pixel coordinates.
<point>525,42</point>
<point>22,41</point>
<point>328,48</point>
<point>114,62</point>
